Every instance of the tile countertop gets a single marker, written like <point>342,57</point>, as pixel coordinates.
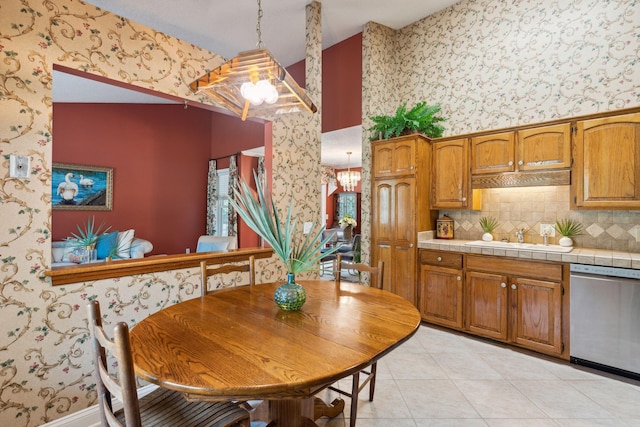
<point>607,258</point>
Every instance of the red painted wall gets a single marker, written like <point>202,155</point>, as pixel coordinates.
<point>341,83</point>
<point>160,158</point>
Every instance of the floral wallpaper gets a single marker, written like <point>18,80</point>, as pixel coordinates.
<point>45,358</point>
<point>491,63</point>
<point>494,64</point>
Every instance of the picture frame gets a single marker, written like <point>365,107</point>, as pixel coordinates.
<point>82,188</point>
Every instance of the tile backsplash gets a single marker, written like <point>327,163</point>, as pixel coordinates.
<point>528,207</point>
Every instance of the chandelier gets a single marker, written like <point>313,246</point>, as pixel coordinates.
<point>349,179</point>
<point>254,83</point>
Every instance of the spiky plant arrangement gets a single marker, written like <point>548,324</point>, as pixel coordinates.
<point>259,212</point>
<point>88,234</point>
<point>488,224</point>
<point>569,227</point>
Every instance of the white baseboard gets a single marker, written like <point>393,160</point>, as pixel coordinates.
<point>90,417</point>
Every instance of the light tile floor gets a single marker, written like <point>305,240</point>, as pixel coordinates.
<point>441,378</point>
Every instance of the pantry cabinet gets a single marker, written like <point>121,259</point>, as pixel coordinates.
<point>400,208</point>
<point>606,172</point>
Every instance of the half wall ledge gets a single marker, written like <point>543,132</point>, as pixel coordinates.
<point>129,267</point>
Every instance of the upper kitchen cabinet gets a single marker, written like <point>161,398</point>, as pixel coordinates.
<point>607,163</point>
<point>546,147</point>
<point>539,148</point>
<point>395,157</point>
<point>450,174</point>
<point>493,153</point>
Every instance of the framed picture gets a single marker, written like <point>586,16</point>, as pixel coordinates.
<point>77,187</point>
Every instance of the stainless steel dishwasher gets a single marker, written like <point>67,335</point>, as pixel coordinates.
<point>605,318</point>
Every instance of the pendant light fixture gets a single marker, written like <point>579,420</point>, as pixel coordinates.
<point>349,179</point>
<point>254,83</point>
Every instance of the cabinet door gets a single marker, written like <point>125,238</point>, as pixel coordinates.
<point>394,235</point>
<point>493,153</point>
<point>486,296</point>
<point>536,315</point>
<point>607,163</point>
<point>546,147</point>
<point>450,174</point>
<point>404,254</point>
<point>441,296</point>
<point>382,227</point>
<point>394,158</point>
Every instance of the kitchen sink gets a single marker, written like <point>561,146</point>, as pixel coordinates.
<point>520,246</point>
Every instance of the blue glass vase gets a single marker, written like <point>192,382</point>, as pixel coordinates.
<point>290,296</point>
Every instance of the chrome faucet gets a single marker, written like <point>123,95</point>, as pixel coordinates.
<point>520,235</point>
<point>545,239</point>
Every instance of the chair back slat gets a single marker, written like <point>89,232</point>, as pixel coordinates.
<point>376,274</point>
<point>124,386</point>
<point>208,271</point>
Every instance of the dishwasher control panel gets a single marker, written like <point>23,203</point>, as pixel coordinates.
<point>606,271</point>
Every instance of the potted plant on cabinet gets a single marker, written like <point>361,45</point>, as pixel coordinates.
<point>298,251</point>
<point>568,228</point>
<point>488,224</point>
<point>85,240</point>
<point>422,118</point>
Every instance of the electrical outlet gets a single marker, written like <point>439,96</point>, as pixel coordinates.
<point>306,229</point>
<point>550,229</point>
<point>19,166</point>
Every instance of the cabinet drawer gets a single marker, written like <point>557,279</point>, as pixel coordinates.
<point>441,259</point>
<point>518,268</point>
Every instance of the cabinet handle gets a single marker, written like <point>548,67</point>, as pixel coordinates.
<point>464,199</point>
<point>410,245</point>
<point>504,285</point>
<point>439,258</point>
<point>410,167</point>
<point>510,163</point>
<point>458,278</point>
<point>520,162</point>
<point>513,286</point>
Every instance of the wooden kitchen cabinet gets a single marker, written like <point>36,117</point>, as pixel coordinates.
<point>441,286</point>
<point>516,301</point>
<point>493,153</point>
<point>400,208</point>
<point>606,171</point>
<point>401,178</point>
<point>394,157</point>
<point>533,149</point>
<point>487,305</point>
<point>450,174</point>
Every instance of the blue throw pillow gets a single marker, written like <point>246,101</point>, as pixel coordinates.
<point>212,246</point>
<point>106,243</point>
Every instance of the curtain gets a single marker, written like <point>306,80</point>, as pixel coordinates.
<point>212,198</point>
<point>262,174</point>
<point>233,178</point>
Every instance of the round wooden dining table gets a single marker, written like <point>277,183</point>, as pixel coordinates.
<point>236,344</point>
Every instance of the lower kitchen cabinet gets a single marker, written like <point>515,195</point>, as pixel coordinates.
<point>514,301</point>
<point>441,289</point>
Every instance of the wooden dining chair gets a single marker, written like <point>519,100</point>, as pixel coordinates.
<point>376,275</point>
<point>208,271</point>
<point>161,407</point>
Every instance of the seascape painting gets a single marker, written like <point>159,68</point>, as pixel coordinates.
<point>77,187</point>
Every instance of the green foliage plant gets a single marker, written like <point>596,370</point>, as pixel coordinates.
<point>88,234</point>
<point>488,224</point>
<point>299,252</point>
<point>421,118</point>
<point>569,227</point>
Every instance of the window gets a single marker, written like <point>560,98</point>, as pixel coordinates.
<point>347,204</point>
<point>222,208</point>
